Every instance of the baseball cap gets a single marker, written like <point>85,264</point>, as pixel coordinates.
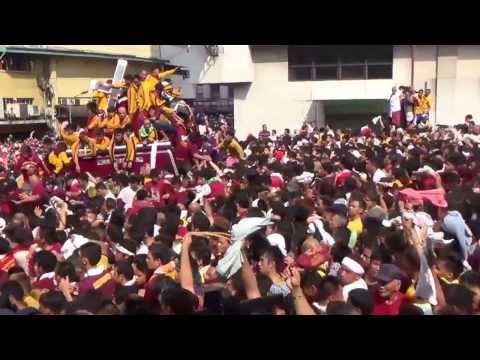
<point>389,272</point>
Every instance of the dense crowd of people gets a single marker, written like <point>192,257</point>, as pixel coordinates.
<point>383,220</point>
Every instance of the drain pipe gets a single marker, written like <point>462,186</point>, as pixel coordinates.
<point>436,84</point>
<point>412,51</point>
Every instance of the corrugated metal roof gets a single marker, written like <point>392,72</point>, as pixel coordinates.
<point>29,49</point>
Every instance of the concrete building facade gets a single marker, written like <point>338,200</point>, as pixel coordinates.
<point>274,84</point>
<point>68,69</point>
<point>264,91</point>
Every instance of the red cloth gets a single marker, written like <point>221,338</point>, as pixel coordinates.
<point>139,205</point>
<point>46,283</point>
<point>5,208</point>
<point>33,159</point>
<point>183,152</point>
<point>366,131</point>
<point>217,190</point>
<point>7,262</point>
<point>397,118</point>
<point>436,196</point>
<point>182,231</point>
<point>382,308</point>
<point>137,120</point>
<point>158,188</point>
<point>276,181</point>
<point>340,179</point>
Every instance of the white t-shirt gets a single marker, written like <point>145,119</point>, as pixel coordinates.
<point>127,195</point>
<point>110,196</point>
<point>395,103</point>
<point>378,175</point>
<point>358,284</point>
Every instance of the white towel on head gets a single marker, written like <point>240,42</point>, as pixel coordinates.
<point>248,226</point>
<point>279,241</point>
<point>231,261</point>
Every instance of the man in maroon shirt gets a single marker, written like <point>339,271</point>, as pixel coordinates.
<point>161,190</point>
<point>264,134</point>
<point>44,265</point>
<point>141,201</point>
<point>94,276</point>
<point>186,154</point>
<point>389,298</point>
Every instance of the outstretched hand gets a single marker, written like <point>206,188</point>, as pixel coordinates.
<point>292,277</point>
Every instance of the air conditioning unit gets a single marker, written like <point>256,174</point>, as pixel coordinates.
<point>17,111</point>
<point>33,110</point>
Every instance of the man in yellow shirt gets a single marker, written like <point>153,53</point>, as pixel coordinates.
<point>421,107</point>
<point>102,143</point>
<point>85,146</point>
<point>58,158</point>
<point>355,224</point>
<point>133,83</point>
<point>157,76</point>
<point>146,92</point>
<point>233,147</point>
<point>69,135</point>
<point>110,123</point>
<point>102,100</point>
<point>125,119</point>
<point>143,94</point>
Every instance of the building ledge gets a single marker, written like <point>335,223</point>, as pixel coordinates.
<point>22,49</point>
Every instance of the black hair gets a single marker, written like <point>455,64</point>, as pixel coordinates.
<point>46,260</point>
<point>92,301</point>
<point>470,279</point>
<point>54,301</point>
<point>460,298</point>
<point>410,309</point>
<point>179,300</point>
<point>15,270</point>
<point>160,252</point>
<point>66,269</point>
<point>4,246</point>
<point>453,262</point>
<point>311,278</point>
<point>328,287</point>
<point>92,252</point>
<point>125,268</point>
<point>101,186</point>
<point>10,288</point>
<point>140,262</point>
<point>142,194</point>
<point>339,251</point>
<point>92,106</point>
<point>241,198</point>
<point>341,308</point>
<point>200,222</point>
<point>122,179</point>
<point>362,299</point>
<point>49,234</point>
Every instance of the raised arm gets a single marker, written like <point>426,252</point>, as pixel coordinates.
<point>186,275</point>
<point>249,279</point>
<point>302,307</point>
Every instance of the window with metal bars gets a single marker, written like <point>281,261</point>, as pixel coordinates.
<point>317,63</point>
